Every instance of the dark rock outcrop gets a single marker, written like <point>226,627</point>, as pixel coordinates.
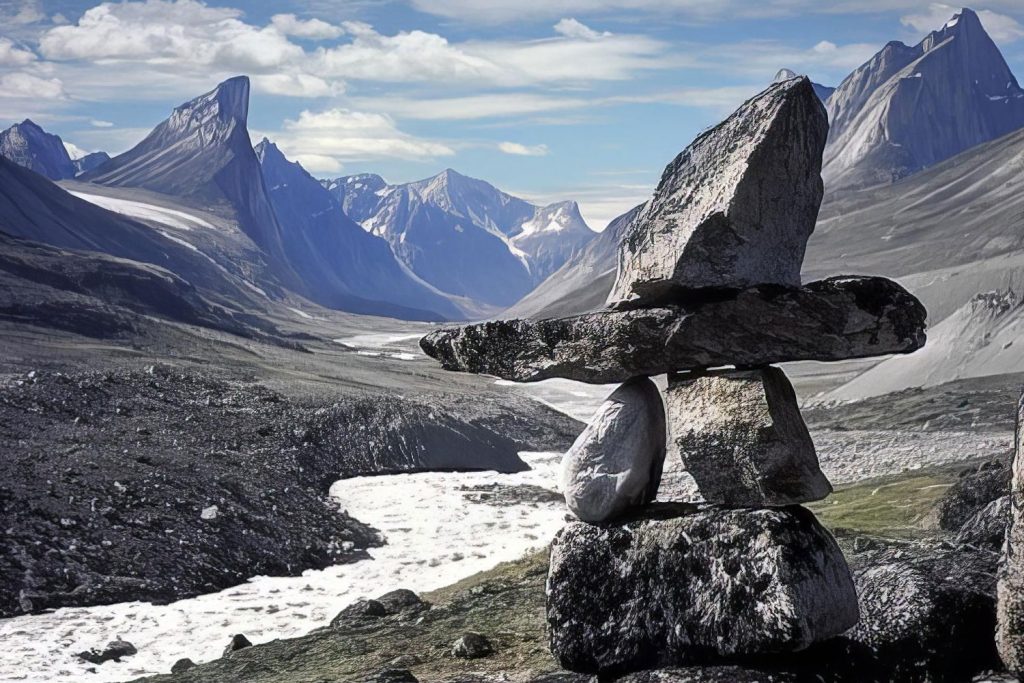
<point>987,527</point>
<point>926,614</point>
<point>360,609</point>
<point>740,435</point>
<point>403,601</point>
<point>833,319</point>
<point>472,645</point>
<point>183,664</point>
<point>237,642</point>
<point>972,492</point>
<point>735,209</point>
<point>683,586</point>
<point>1010,633</point>
<point>616,462</point>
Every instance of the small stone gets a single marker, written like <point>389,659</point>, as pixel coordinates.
<point>404,661</point>
<point>735,208</point>
<point>114,651</point>
<point>360,609</point>
<point>238,642</point>
<point>209,513</point>
<point>183,664</point>
<point>742,438</point>
<point>616,462</point>
<point>680,585</point>
<point>403,601</point>
<point>1010,588</point>
<point>472,646</point>
<point>829,320</point>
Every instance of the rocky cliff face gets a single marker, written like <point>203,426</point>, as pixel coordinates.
<point>202,153</point>
<point>347,267</point>
<point>28,145</point>
<point>908,108</point>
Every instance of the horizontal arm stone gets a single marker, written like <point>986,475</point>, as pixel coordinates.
<point>828,320</point>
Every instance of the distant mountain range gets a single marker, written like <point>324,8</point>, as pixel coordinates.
<point>449,247</point>
<point>463,235</point>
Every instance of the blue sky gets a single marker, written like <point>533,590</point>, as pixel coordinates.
<point>548,99</point>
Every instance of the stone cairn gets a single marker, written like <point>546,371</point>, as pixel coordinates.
<point>708,292</point>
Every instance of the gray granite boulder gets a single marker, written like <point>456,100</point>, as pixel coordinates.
<point>927,613</point>
<point>735,208</point>
<point>829,320</point>
<point>616,462</point>
<point>680,585</point>
<point>986,528</point>
<point>740,435</point>
<point>1010,631</point>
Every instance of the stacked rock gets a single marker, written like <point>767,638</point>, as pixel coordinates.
<point>708,292</point>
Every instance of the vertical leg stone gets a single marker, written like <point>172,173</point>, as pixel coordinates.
<point>616,462</point>
<point>740,434</point>
<point>1010,589</point>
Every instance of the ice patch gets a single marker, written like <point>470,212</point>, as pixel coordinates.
<point>147,212</point>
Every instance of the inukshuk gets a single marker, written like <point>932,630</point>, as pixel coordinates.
<point>708,292</point>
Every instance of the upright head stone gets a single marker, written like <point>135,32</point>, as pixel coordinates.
<point>735,209</point>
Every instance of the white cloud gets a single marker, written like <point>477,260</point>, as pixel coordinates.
<point>297,84</point>
<point>342,134</point>
<point>24,85</point>
<point>493,105</point>
<point>570,28</point>
<point>518,149</point>
<point>1001,27</point>
<point>97,123</point>
<point>313,29</point>
<point>12,55</point>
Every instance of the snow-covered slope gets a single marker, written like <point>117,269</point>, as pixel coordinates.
<point>983,337</point>
<point>463,235</point>
<point>356,271</point>
<point>28,145</point>
<point>908,108</point>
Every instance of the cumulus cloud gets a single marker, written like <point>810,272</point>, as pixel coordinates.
<point>518,149</point>
<point>25,85</point>
<point>342,134</point>
<point>312,29</point>
<point>1002,28</point>
<point>12,55</point>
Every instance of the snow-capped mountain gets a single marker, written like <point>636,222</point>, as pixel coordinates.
<point>335,255</point>
<point>582,283</point>
<point>28,145</point>
<point>908,108</point>
<point>463,235</point>
<point>90,161</point>
<point>822,91</point>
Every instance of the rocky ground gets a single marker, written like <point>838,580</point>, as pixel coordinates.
<point>156,478</point>
<point>911,575</point>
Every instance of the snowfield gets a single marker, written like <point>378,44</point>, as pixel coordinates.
<point>146,212</point>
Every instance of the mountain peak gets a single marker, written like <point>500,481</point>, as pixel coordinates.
<point>784,75</point>
<point>214,114</point>
<point>28,145</point>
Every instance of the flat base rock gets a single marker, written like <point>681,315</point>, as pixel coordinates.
<point>828,320</point>
<point>740,435</point>
<point>681,585</point>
